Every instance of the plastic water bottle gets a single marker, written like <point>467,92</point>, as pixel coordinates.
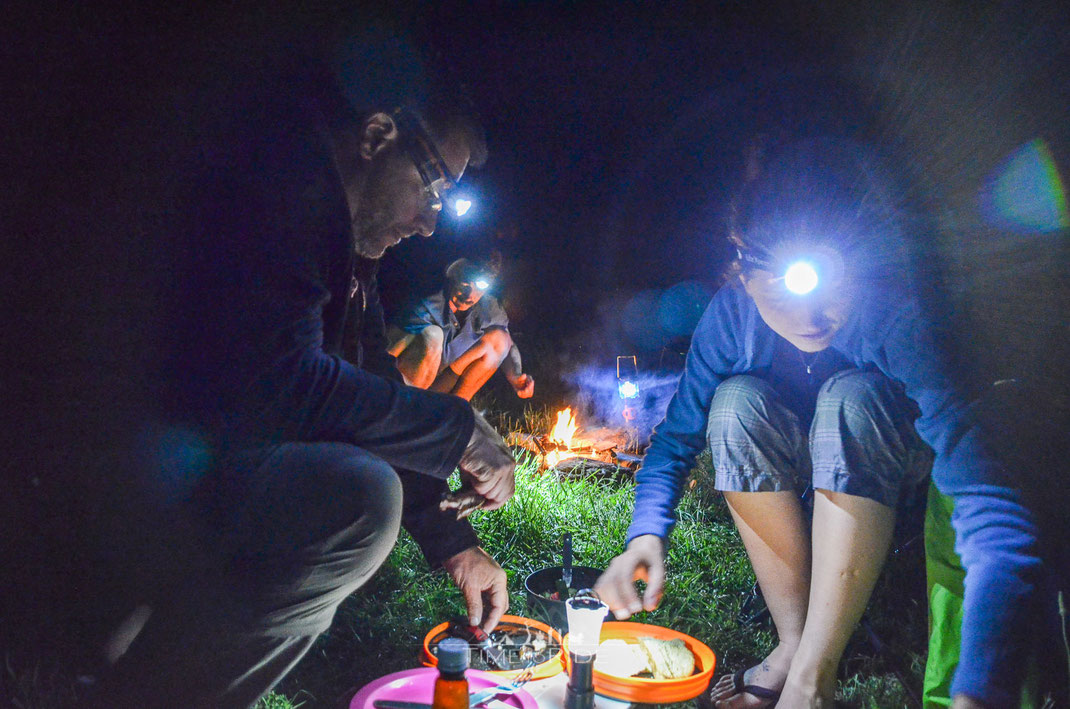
<point>451,686</point>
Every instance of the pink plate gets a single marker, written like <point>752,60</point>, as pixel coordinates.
<point>419,685</point>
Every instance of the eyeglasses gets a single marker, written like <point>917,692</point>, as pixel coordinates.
<point>439,182</point>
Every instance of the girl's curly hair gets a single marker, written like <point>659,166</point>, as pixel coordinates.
<point>819,192</point>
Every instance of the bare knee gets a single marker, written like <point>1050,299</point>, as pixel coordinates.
<point>419,360</point>
<point>496,344</point>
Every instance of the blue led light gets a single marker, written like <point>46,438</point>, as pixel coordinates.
<point>800,278</point>
<point>482,284</point>
<point>627,389</point>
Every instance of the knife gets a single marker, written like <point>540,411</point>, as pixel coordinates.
<point>391,704</point>
<point>566,567</point>
<point>484,697</point>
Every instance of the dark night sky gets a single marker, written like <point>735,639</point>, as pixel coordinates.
<point>592,117</point>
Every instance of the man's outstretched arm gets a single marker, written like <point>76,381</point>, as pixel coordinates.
<point>512,368</point>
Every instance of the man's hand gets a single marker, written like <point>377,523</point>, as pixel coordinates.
<point>487,466</point>
<point>644,559</point>
<point>524,385</point>
<point>483,585</point>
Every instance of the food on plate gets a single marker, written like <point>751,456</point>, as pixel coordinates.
<point>668,659</point>
<point>621,659</point>
<point>515,646</point>
<point>661,659</point>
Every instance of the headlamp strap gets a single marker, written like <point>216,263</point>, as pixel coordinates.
<point>410,123</point>
<point>755,259</point>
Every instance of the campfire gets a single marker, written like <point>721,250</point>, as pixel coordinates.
<point>566,446</point>
<point>561,436</point>
<point>564,429</point>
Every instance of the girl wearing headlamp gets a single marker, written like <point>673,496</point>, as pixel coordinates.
<point>814,368</point>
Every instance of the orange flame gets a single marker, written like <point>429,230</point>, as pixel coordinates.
<point>564,429</point>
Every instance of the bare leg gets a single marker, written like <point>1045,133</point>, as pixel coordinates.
<point>774,533</point>
<point>469,372</point>
<point>467,381</point>
<point>418,355</point>
<point>445,381</point>
<point>398,339</point>
<point>851,536</point>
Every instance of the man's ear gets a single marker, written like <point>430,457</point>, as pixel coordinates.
<point>378,131</point>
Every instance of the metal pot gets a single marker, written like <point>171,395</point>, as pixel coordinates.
<point>540,584</point>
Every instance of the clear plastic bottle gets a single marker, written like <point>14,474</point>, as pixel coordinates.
<point>451,686</point>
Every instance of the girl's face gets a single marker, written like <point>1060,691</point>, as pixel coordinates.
<point>808,322</point>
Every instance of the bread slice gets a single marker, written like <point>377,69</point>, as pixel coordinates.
<point>620,659</point>
<point>668,659</point>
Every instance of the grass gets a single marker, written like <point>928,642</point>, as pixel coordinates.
<point>380,629</point>
<point>36,685</point>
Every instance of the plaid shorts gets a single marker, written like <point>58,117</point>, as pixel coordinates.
<point>861,442</point>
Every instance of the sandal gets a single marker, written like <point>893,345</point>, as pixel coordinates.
<point>770,695</point>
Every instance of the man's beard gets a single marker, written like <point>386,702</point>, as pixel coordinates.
<point>373,226</point>
<point>370,247</point>
<point>370,238</point>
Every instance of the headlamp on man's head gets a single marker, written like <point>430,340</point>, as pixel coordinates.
<point>801,276</point>
<point>440,185</point>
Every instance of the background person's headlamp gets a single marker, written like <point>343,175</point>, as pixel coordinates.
<point>482,282</point>
<point>440,184</point>
<point>800,275</point>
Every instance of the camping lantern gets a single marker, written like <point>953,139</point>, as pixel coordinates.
<point>585,614</point>
<point>627,384</point>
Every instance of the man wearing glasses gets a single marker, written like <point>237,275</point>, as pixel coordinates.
<point>307,463</point>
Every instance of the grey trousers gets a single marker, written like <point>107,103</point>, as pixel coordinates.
<point>293,532</point>
<point>861,441</point>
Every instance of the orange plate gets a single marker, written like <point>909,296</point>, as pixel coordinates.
<point>652,691</point>
<point>546,669</point>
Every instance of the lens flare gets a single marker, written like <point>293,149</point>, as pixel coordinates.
<point>1026,194</point>
<point>800,278</point>
<point>482,284</point>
